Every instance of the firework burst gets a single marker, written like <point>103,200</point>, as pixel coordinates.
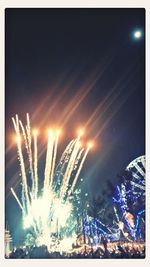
<point>48,210</point>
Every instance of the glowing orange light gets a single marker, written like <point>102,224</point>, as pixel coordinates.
<point>80,132</point>
<point>58,131</point>
<point>35,132</point>
<point>49,131</point>
<point>90,144</point>
<point>18,139</point>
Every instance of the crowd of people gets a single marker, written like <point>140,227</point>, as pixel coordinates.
<point>103,251</point>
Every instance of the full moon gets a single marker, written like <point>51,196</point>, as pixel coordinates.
<point>137,34</point>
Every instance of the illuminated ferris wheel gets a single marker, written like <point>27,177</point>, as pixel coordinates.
<point>130,200</point>
<point>137,170</point>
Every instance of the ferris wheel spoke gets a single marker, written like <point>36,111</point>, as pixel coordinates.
<point>143,161</point>
<point>135,175</point>
<point>139,169</point>
<point>138,178</point>
<point>138,186</point>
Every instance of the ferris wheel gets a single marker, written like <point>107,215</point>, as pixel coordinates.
<point>137,171</point>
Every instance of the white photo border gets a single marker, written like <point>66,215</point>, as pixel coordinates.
<point>71,4</point>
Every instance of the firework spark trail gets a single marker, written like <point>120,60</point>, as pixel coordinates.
<point>79,170</point>
<point>67,151</point>
<point>22,165</point>
<point>24,136</point>
<point>28,129</point>
<point>63,162</point>
<point>71,166</point>
<point>75,153</point>
<point>28,148</point>
<point>15,125</point>
<point>54,158</point>
<point>76,164</point>
<point>65,157</point>
<point>72,151</point>
<point>49,158</point>
<point>35,164</point>
<point>17,199</point>
<point>78,158</point>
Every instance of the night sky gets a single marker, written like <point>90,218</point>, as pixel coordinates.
<point>72,68</point>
